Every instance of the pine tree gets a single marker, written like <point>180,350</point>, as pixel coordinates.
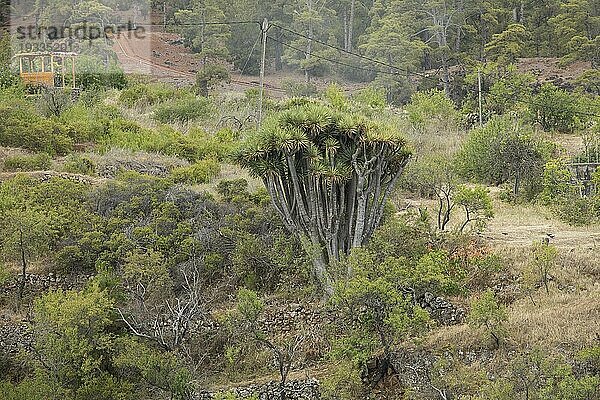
<point>201,34</point>
<point>389,40</point>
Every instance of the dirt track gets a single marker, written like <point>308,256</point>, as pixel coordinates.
<point>167,60</point>
<point>520,225</point>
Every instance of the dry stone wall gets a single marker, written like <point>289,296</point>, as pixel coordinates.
<point>307,389</point>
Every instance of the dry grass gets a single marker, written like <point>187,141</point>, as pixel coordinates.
<point>559,321</point>
<point>521,225</point>
<point>6,152</point>
<point>229,172</point>
<point>569,144</point>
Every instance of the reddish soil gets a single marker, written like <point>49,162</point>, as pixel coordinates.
<point>166,59</point>
<point>551,70</point>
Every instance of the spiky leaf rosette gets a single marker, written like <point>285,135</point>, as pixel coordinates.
<point>329,173</point>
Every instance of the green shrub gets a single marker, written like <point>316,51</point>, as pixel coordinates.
<point>143,95</point>
<point>77,164</point>
<point>183,110</point>
<point>128,135</point>
<point>7,78</point>
<point>49,136</point>
<point>510,91</point>
<point>556,183</point>
<point>232,189</point>
<point>431,108</point>
<point>36,162</point>
<point>92,73</point>
<point>434,273</point>
<point>488,314</point>
<point>299,89</point>
<point>194,146</point>
<point>209,76</point>
<point>344,383</point>
<point>370,101</point>
<point>502,151</point>
<point>232,396</point>
<point>86,124</point>
<point>5,274</point>
<point>578,210</point>
<point>22,127</point>
<point>477,204</point>
<point>556,109</point>
<point>481,270</point>
<point>201,172</point>
<point>41,135</point>
<point>564,198</point>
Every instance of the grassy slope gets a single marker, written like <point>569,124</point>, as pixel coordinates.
<point>564,320</point>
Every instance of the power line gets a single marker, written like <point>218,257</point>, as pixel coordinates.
<point>334,61</point>
<point>355,54</point>
<point>250,55</point>
<point>200,23</point>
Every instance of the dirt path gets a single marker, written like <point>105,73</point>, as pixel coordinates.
<point>172,62</point>
<point>520,225</point>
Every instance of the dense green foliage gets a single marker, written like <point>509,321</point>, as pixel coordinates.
<point>138,262</point>
<point>502,151</point>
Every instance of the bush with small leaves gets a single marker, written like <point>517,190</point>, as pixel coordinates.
<point>488,314</point>
<point>502,151</point>
<point>88,124</point>
<point>589,360</point>
<point>435,272</point>
<point>74,336</point>
<point>233,189</point>
<point>79,164</point>
<point>144,95</point>
<point>5,274</point>
<point>432,109</point>
<point>556,183</point>
<point>477,204</point>
<point>344,383</point>
<point>93,73</point>
<point>36,162</point>
<point>556,109</point>
<point>209,76</point>
<point>510,92</point>
<point>232,396</point>
<point>194,146</point>
<point>163,371</point>
<point>376,313</point>
<point>202,171</point>
<point>183,110</point>
<point>23,127</point>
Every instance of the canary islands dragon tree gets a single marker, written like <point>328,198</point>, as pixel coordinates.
<point>329,174</point>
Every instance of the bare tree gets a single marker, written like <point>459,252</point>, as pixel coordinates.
<point>246,323</point>
<point>167,320</point>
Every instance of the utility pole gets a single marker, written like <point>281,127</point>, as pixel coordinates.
<point>480,97</point>
<point>264,28</point>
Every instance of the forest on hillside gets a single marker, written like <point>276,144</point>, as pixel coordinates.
<point>408,207</point>
<point>400,45</point>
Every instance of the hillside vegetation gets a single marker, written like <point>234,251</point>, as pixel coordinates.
<point>398,242</point>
